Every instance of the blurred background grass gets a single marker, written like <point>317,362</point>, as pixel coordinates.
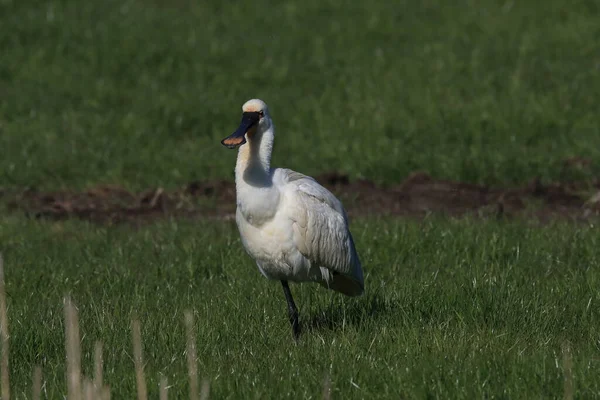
<point>139,93</point>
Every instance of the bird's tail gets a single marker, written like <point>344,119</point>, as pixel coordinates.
<point>344,284</point>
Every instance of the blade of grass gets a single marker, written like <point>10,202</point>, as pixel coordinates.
<point>142,392</point>
<point>568,371</point>
<point>326,388</point>
<point>105,393</point>
<point>98,367</point>
<point>88,389</point>
<point>191,355</point>
<point>4,333</point>
<point>205,389</point>
<point>164,395</point>
<point>36,390</point>
<point>73,350</point>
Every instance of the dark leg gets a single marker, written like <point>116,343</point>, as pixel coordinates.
<point>292,310</point>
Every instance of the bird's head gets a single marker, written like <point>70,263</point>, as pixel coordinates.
<point>255,118</point>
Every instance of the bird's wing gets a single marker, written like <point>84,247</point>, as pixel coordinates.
<point>321,231</point>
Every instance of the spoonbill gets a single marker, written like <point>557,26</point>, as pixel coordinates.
<point>294,228</point>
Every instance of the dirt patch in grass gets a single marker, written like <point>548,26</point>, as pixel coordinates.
<point>418,196</point>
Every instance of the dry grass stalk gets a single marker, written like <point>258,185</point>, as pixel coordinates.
<point>164,395</point>
<point>326,388</point>
<point>73,351</point>
<point>88,389</point>
<point>205,389</point>
<point>191,355</point>
<point>36,389</point>
<point>98,367</point>
<point>4,332</point>
<point>568,371</point>
<point>105,393</point>
<point>142,392</point>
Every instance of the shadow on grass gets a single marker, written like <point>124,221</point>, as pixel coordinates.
<point>337,315</point>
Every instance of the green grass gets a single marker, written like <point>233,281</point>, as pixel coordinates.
<point>452,310</point>
<point>140,92</point>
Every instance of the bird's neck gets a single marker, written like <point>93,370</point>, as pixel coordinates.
<point>253,165</point>
<point>257,196</point>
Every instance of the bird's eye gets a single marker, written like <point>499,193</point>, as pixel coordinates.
<point>261,113</point>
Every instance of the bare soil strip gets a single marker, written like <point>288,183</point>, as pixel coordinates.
<point>418,196</point>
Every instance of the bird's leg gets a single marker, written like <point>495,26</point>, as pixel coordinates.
<point>292,310</point>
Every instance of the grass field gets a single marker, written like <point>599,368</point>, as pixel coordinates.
<point>457,310</point>
<point>139,94</point>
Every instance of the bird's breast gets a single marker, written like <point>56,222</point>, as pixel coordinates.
<point>258,205</point>
<point>268,241</point>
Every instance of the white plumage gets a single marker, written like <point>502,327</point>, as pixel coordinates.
<point>293,227</point>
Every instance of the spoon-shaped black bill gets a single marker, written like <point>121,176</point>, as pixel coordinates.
<point>238,138</point>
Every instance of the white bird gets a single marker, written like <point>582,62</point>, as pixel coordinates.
<point>294,228</point>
